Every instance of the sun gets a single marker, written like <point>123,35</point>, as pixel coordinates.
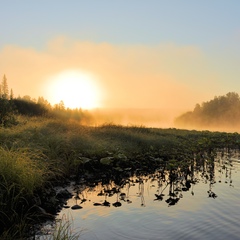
<point>76,89</point>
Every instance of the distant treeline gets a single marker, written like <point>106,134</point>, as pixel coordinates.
<point>10,107</point>
<point>222,111</point>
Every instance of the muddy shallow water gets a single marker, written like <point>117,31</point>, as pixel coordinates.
<point>201,204</point>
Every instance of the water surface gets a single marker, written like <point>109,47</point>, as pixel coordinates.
<point>202,202</point>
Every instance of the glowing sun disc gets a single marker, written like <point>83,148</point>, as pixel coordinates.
<point>75,89</point>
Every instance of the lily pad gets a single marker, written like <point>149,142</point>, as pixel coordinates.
<point>84,159</point>
<point>106,160</point>
<point>75,207</point>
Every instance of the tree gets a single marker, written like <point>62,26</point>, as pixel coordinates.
<point>4,88</point>
<point>60,106</point>
<point>6,107</point>
<point>43,102</point>
<point>222,111</point>
<point>11,94</point>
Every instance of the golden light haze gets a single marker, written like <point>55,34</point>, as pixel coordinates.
<point>164,76</point>
<point>75,88</point>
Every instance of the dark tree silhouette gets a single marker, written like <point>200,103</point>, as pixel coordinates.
<point>223,111</point>
<point>4,88</point>
<point>10,107</point>
<point>6,106</point>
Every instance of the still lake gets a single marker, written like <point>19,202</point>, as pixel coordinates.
<point>200,203</point>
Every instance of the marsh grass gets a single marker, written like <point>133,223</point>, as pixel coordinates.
<point>23,168</point>
<point>21,173</point>
<point>64,230</point>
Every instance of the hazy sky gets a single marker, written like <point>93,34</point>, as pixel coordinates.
<point>141,54</point>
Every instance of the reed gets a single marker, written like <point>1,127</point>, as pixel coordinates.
<point>64,230</point>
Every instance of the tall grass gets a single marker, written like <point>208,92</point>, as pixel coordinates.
<point>64,230</point>
<point>21,173</point>
<point>61,229</point>
<point>22,167</point>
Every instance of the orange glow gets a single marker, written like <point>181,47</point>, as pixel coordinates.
<point>167,78</point>
<point>76,89</point>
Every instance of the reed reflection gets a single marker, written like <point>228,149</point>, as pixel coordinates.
<point>168,183</point>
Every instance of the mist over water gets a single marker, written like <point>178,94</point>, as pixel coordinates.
<point>159,118</point>
<point>153,118</point>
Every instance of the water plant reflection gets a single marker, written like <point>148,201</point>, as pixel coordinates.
<point>171,181</point>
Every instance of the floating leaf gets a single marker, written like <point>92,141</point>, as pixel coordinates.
<point>106,160</point>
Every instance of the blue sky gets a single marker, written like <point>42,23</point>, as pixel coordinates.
<point>204,23</point>
<point>186,48</point>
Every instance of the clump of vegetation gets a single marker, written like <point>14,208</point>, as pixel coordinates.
<point>22,172</point>
<point>64,230</point>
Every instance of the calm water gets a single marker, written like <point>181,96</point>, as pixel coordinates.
<point>201,204</point>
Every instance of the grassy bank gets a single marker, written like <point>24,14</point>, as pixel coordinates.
<point>40,153</point>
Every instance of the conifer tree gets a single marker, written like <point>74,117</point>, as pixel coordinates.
<point>4,88</point>
<point>6,106</point>
<point>11,94</point>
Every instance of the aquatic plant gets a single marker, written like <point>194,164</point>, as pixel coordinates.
<point>64,230</point>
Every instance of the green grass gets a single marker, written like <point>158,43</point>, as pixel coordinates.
<point>64,230</point>
<point>21,173</point>
<point>22,167</point>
